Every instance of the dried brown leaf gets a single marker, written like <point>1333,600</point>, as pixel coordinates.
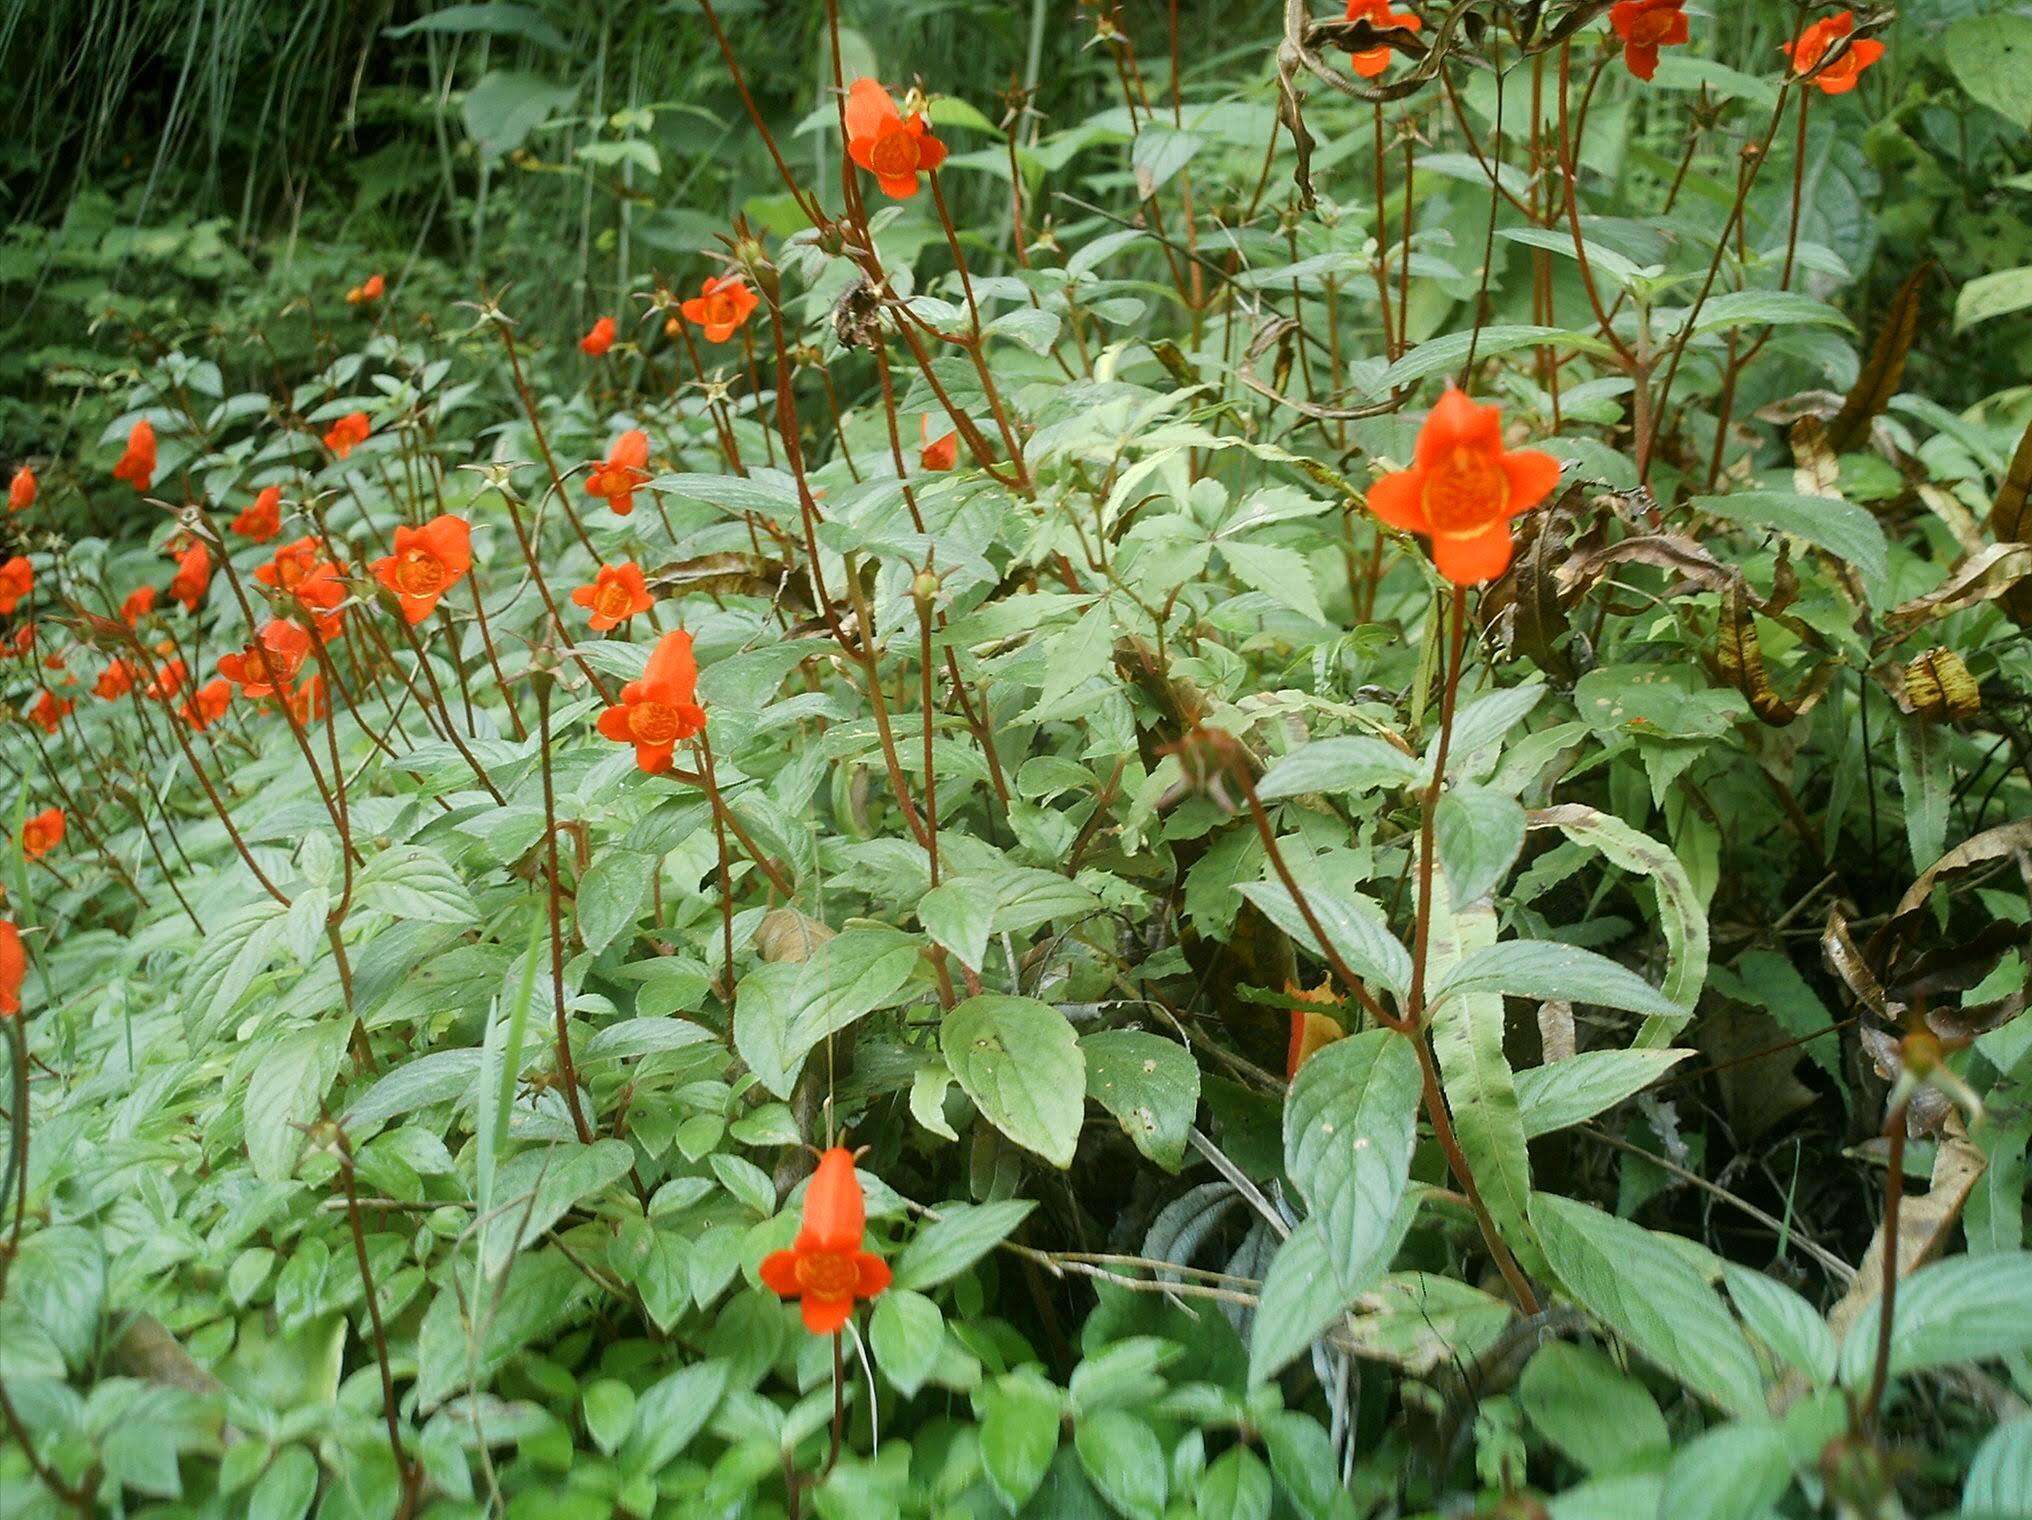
<point>1884,370</point>
<point>1938,685</point>
<point>1925,1224</point>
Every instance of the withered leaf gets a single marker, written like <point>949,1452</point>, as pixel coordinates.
<point>1938,685</point>
<point>1925,1224</point>
<point>1885,370</point>
<point>1990,845</point>
<point>2010,522</point>
<point>1845,959</point>
<point>1739,656</point>
<point>1995,572</point>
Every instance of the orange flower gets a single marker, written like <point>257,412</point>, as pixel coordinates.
<point>270,661</point>
<point>17,579</point>
<point>1310,1033</point>
<point>1646,26</point>
<point>207,704</point>
<point>48,712</point>
<point>617,593</point>
<point>300,569</point>
<point>937,453</point>
<point>661,710</point>
<point>140,602</point>
<point>263,520</point>
<point>13,969</point>
<point>722,304</point>
<point>1813,44</point>
<point>372,290</point>
<point>1372,61</point>
<point>308,701</point>
<point>137,465</point>
<point>427,562</point>
<point>825,1269</point>
<point>21,490</point>
<point>168,681</point>
<point>892,147</point>
<point>598,339</point>
<point>115,681</point>
<point>347,434</point>
<point>193,575</point>
<point>1463,488</point>
<point>42,833</point>
<point>621,473</point>
<point>24,641</point>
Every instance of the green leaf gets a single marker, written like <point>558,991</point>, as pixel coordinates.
<point>782,1010</point>
<point>959,915</point>
<point>1020,1062</point>
<point>58,1282</point>
<point>507,105</point>
<point>1348,1127</point>
<point>1074,657</point>
<point>609,1406</point>
<point>438,1077</point>
<point>1964,1309</point>
<point>1124,1461</point>
<point>2000,1475</point>
<point>1599,1416</point>
<point>1301,1296</point>
<point>285,1490</point>
<point>1151,1086</point>
<point>1354,925</point>
<point>1550,969</point>
<point>535,1188</point>
<point>1765,308</point>
<point>1307,1470</point>
<point>1574,1090</point>
<point>1019,1417</point>
<point>1783,1321</point>
<point>928,1088</point>
<point>670,1413</point>
<point>1925,782</point>
<point>1479,833</point>
<point>1236,1487</point>
<point>500,18</point>
<point>1279,573</point>
<point>1841,528</point>
<point>1644,1288</point>
<point>1350,763</point>
<point>284,1090</point>
<point>1992,295</point>
<point>1450,351</point>
<point>1733,1472</point>
<point>906,1333</point>
<point>1992,59</point>
<point>1623,271</point>
<point>611,895</point>
<point>412,882</point>
<point>961,1236</point>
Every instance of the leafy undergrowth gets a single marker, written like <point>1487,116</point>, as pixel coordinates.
<point>1374,955</point>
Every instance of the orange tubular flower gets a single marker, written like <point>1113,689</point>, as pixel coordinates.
<point>17,579</point>
<point>1463,488</point>
<point>137,465</point>
<point>13,969</point>
<point>826,1270</point>
<point>598,339</point>
<point>193,576</point>
<point>42,833</point>
<point>722,305</point>
<point>115,681</point>
<point>347,434</point>
<point>313,581</point>
<point>207,704</point>
<point>660,711</point>
<point>622,472</point>
<point>892,147</point>
<point>1372,61</point>
<point>1813,44</point>
<point>140,602</point>
<point>48,713</point>
<point>271,661</point>
<point>168,681</point>
<point>617,593</point>
<point>370,291</point>
<point>21,490</point>
<point>427,562</point>
<point>1646,26</point>
<point>263,520</point>
<point>937,453</point>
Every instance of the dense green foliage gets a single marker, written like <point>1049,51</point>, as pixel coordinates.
<point>410,1081</point>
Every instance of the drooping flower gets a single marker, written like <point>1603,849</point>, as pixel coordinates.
<point>892,147</point>
<point>598,339</point>
<point>263,520</point>
<point>617,593</point>
<point>137,464</point>
<point>13,969</point>
<point>140,602</point>
<point>42,832</point>
<point>368,291</point>
<point>1311,1030</point>
<point>207,704</point>
<point>427,562</point>
<point>826,1268</point>
<point>48,712</point>
<point>21,490</point>
<point>723,303</point>
<point>661,710</point>
<point>1646,26</point>
<point>167,681</point>
<point>115,681</point>
<point>622,472</point>
<point>270,661</point>
<point>1372,61</point>
<point>1463,488</point>
<point>1813,44</point>
<point>937,453</point>
<point>347,434</point>
<point>17,579</point>
<point>193,576</point>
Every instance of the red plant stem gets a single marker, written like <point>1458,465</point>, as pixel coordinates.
<point>1894,1193</point>
<point>404,1469</point>
<point>567,1070</point>
<point>712,786</point>
<point>542,443</point>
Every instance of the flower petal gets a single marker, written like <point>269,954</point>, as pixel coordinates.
<point>1456,422</point>
<point>1533,477</point>
<point>779,1273</point>
<point>868,108</point>
<point>873,1275</point>
<point>1471,558</point>
<point>827,1316</point>
<point>1399,500</point>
